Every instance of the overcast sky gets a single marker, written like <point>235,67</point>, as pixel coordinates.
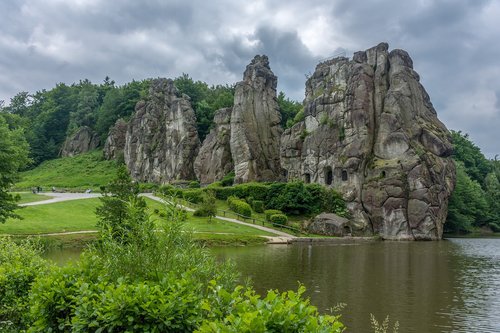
<point>455,45</point>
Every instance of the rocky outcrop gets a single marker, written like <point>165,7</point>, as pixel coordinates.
<point>330,225</point>
<point>214,159</point>
<point>162,142</point>
<point>115,142</point>
<point>255,125</point>
<point>82,141</point>
<point>371,132</point>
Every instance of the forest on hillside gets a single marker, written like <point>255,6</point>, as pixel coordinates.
<point>47,117</point>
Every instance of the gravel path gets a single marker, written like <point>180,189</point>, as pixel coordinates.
<point>59,197</point>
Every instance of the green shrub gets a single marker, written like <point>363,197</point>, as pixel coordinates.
<point>239,206</point>
<point>257,191</point>
<point>222,193</point>
<point>228,180</point>
<point>194,184</point>
<point>334,203</point>
<point>208,207</point>
<point>193,195</point>
<point>278,219</point>
<point>245,311</point>
<point>258,206</point>
<point>20,265</point>
<point>270,212</point>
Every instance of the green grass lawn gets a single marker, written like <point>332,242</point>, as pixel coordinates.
<point>77,215</point>
<point>84,171</point>
<point>30,197</point>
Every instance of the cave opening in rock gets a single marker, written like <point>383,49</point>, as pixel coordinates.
<point>328,175</point>
<point>344,175</point>
<point>307,177</point>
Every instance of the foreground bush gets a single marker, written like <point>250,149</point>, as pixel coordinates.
<point>270,212</point>
<point>20,265</point>
<point>278,219</point>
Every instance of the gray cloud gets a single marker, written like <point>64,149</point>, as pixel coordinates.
<point>453,45</point>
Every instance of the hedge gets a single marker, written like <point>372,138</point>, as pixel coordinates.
<point>270,212</point>
<point>258,206</point>
<point>278,219</point>
<point>239,206</point>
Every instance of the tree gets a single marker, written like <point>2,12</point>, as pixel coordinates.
<point>476,165</point>
<point>13,156</point>
<point>467,207</point>
<point>208,206</point>
<point>288,109</point>
<point>122,211</point>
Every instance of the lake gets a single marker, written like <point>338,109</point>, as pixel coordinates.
<point>446,286</point>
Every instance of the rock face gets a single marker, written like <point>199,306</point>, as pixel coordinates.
<point>371,132</point>
<point>330,225</point>
<point>255,125</point>
<point>162,142</point>
<point>82,141</point>
<point>214,159</point>
<point>115,142</point>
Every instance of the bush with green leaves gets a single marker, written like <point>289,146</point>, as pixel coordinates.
<point>278,219</point>
<point>270,212</point>
<point>20,266</point>
<point>243,311</point>
<point>228,180</point>
<point>239,206</point>
<point>258,206</point>
<point>208,207</point>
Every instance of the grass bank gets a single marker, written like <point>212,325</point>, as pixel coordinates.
<point>80,172</point>
<point>78,215</point>
<point>27,197</point>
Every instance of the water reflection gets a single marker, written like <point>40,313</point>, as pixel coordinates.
<point>448,286</point>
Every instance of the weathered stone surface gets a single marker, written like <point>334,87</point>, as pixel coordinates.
<point>255,125</point>
<point>214,159</point>
<point>330,225</point>
<point>82,141</point>
<point>115,142</point>
<point>371,132</point>
<point>162,141</point>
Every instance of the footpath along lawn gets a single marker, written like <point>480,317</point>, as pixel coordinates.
<point>30,197</point>
<point>78,215</point>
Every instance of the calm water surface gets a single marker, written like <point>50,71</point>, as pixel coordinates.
<point>447,286</point>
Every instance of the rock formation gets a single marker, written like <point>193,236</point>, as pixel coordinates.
<point>162,141</point>
<point>330,225</point>
<point>255,125</point>
<point>115,142</point>
<point>214,159</point>
<point>82,141</point>
<point>371,132</point>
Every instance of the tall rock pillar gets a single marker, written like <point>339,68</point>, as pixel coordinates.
<point>255,125</point>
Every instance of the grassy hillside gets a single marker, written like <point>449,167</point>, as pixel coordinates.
<point>84,171</point>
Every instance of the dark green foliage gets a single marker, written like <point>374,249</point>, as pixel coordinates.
<point>245,311</point>
<point>476,165</point>
<point>119,102</point>
<point>239,206</point>
<point>122,210</point>
<point>222,193</point>
<point>193,195</point>
<point>475,201</point>
<point>292,198</point>
<point>467,206</point>
<point>288,110</point>
<point>270,212</point>
<point>208,206</point>
<point>20,265</point>
<point>194,184</point>
<point>205,100</point>
<point>278,219</point>
<point>258,206</point>
<point>228,180</point>
<point>334,203</point>
<point>13,156</point>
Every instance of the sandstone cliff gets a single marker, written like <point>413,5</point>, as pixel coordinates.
<point>214,159</point>
<point>371,132</point>
<point>255,125</point>
<point>115,142</point>
<point>162,142</point>
<point>82,141</point>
